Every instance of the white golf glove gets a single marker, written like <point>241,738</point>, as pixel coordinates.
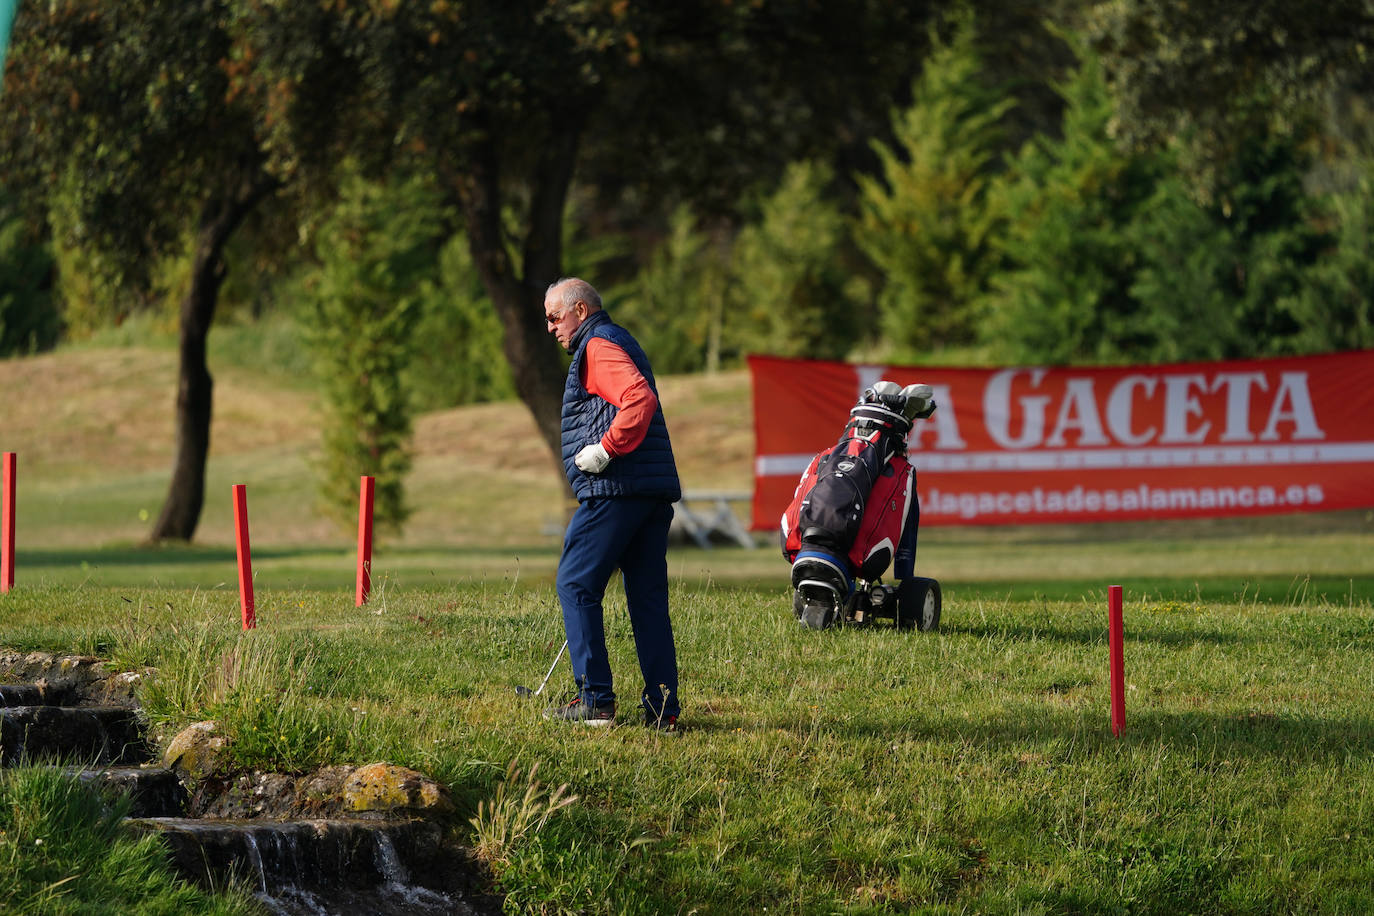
<point>592,459</point>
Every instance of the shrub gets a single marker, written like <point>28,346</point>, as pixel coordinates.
<point>28,316</point>
<point>376,254</point>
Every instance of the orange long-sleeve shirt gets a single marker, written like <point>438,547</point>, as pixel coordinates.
<point>610,374</point>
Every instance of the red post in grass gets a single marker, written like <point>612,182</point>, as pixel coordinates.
<point>7,524</point>
<point>1118,662</point>
<point>366,488</point>
<point>245,556</point>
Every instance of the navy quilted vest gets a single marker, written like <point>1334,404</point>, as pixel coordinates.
<point>649,470</point>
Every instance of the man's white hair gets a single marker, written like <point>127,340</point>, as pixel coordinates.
<point>571,290</point>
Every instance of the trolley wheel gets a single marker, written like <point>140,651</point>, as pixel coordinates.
<point>918,604</point>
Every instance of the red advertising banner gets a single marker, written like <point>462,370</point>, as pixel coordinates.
<point>1029,445</point>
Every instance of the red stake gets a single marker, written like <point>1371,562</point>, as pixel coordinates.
<point>365,490</point>
<point>245,556</point>
<point>1118,663</point>
<point>7,525</point>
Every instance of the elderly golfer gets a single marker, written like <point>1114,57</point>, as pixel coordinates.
<point>620,463</point>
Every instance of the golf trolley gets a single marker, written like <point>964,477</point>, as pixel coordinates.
<point>822,599</point>
<point>855,513</point>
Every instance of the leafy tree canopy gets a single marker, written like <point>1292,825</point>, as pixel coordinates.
<point>647,104</point>
<point>1211,70</point>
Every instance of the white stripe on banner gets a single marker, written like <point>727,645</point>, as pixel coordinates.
<point>1105,459</point>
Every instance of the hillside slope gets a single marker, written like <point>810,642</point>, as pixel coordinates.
<point>94,434</point>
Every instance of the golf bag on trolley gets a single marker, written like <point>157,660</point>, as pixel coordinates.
<point>854,513</point>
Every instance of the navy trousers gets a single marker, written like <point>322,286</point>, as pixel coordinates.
<point>629,534</point>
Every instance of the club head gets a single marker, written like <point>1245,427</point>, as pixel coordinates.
<point>523,691</point>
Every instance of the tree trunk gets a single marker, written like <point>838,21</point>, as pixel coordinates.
<point>533,354</point>
<point>186,494</point>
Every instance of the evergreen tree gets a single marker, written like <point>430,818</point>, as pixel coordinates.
<point>1066,296</point>
<point>1276,243</point>
<point>1240,276</point>
<point>790,291</point>
<point>673,306</point>
<point>1115,259</point>
<point>457,357</point>
<point>1183,312</point>
<point>377,254</point>
<point>929,224</point>
<point>1339,315</point>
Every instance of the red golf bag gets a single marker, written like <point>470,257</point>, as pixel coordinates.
<point>854,513</point>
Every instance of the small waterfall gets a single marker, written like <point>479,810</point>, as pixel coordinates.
<point>102,734</point>
<point>388,863</point>
<point>290,875</point>
<point>255,861</point>
<point>310,868</point>
<point>397,880</point>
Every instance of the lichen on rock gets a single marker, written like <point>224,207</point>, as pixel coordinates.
<point>387,787</point>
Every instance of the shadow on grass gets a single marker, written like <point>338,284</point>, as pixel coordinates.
<point>148,556</point>
<point>1277,589</point>
<point>153,555</point>
<point>1294,737</point>
<point>1179,633</point>
<point>1218,737</point>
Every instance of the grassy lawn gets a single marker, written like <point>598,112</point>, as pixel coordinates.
<point>967,771</point>
<point>971,770</point>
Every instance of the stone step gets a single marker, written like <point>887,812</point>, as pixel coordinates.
<point>155,791</point>
<point>33,695</point>
<point>92,735</point>
<point>340,867</point>
<point>71,712</point>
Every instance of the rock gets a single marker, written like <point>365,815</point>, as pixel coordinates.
<point>322,790</point>
<point>197,750</point>
<point>99,735</point>
<point>73,680</point>
<point>386,787</point>
<point>378,792</point>
<point>71,664</point>
<point>122,686</point>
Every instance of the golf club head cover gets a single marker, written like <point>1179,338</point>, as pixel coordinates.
<point>881,389</point>
<point>920,401</point>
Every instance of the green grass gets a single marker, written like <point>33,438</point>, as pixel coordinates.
<point>853,771</point>
<point>63,850</point>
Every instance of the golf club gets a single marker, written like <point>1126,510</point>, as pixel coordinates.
<point>524,691</point>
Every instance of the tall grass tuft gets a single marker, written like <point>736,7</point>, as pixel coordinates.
<point>63,849</point>
<point>511,818</point>
<point>263,690</point>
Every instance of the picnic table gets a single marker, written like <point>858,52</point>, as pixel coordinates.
<point>702,514</point>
